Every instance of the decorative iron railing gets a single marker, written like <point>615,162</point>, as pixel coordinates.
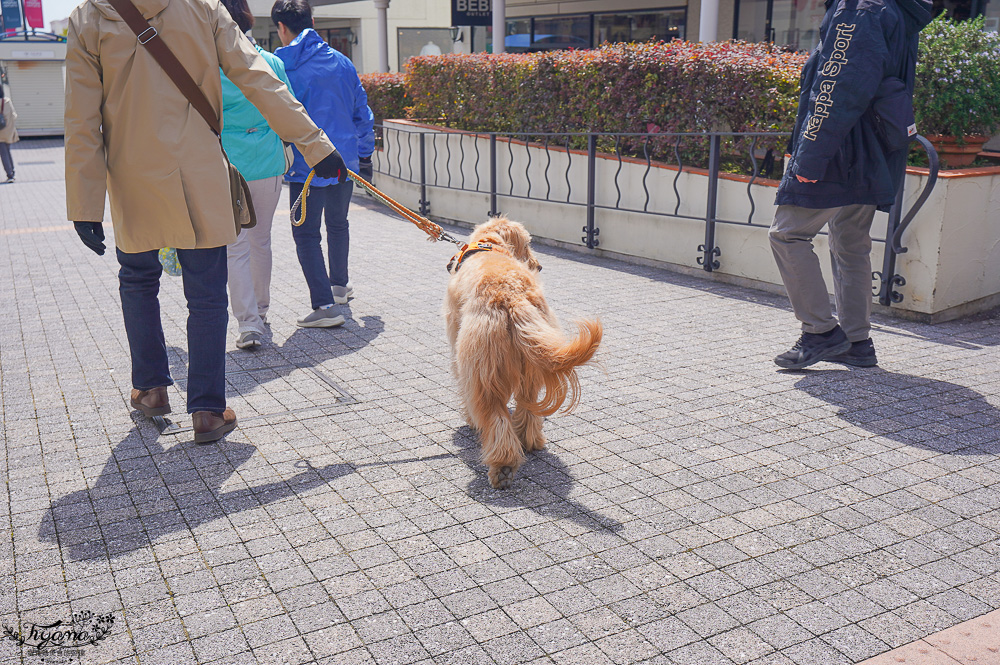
<point>539,167</point>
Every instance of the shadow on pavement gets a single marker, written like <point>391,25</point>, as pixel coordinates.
<point>542,485</point>
<point>304,348</point>
<point>916,411</point>
<point>146,492</point>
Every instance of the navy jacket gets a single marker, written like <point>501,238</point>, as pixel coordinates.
<point>862,43</point>
<point>327,84</point>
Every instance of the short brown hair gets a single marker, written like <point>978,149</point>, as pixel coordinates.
<point>240,11</point>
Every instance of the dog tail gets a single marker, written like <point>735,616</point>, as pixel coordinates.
<point>551,360</point>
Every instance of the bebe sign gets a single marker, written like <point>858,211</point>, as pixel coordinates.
<point>471,12</point>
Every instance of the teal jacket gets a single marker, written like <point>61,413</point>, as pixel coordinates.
<point>252,146</point>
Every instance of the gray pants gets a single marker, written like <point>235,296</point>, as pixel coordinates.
<point>8,163</point>
<point>850,252</point>
<point>249,259</point>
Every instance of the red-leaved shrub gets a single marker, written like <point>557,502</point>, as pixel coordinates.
<point>386,95</point>
<point>670,87</point>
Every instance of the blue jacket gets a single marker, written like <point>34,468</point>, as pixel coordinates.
<point>863,45</point>
<point>251,144</point>
<point>328,86</point>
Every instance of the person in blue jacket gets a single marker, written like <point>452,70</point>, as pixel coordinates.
<point>328,85</point>
<point>848,158</point>
<point>259,154</point>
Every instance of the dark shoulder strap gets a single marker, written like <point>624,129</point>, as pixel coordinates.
<point>157,48</point>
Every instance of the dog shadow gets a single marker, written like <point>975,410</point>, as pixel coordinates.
<point>913,410</point>
<point>146,491</point>
<point>542,485</point>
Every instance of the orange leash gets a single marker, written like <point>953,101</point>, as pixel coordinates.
<point>427,226</point>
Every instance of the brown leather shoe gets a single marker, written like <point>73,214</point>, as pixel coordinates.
<point>210,426</point>
<point>152,402</point>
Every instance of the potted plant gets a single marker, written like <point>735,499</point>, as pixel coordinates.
<point>956,97</point>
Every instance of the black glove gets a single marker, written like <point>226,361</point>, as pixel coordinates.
<point>332,166</point>
<point>365,167</point>
<point>92,235</point>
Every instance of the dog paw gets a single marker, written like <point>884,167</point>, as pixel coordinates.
<point>501,477</point>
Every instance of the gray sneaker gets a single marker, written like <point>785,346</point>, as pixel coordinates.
<point>248,339</point>
<point>341,294</point>
<point>321,318</point>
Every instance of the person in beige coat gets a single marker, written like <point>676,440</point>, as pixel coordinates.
<point>132,134</point>
<point>8,134</point>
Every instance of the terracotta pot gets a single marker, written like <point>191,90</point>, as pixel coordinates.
<point>953,154</point>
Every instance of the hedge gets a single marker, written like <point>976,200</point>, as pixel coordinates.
<point>672,86</point>
<point>387,96</point>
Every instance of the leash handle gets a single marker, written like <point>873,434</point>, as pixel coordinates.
<point>301,201</point>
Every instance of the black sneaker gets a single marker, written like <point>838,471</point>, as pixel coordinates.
<point>861,354</point>
<point>812,347</point>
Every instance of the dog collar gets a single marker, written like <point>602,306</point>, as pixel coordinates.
<point>467,250</point>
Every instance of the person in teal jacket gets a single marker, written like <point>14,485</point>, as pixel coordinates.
<point>259,154</point>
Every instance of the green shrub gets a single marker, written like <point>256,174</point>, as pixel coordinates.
<point>957,91</point>
<point>386,95</point>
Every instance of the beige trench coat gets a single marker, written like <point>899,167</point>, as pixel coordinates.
<point>130,131</point>
<point>9,133</point>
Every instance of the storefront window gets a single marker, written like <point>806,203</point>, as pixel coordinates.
<point>795,23</point>
<point>561,32</point>
<point>422,41</point>
<point>640,26</point>
<point>751,22</point>
<point>339,38</point>
<point>792,24</point>
<point>991,15</point>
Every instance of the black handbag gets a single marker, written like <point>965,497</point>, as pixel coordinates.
<point>3,100</point>
<point>243,212</point>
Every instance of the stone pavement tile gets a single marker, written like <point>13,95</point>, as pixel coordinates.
<point>472,655</point>
<point>627,647</point>
<point>292,651</point>
<point>268,631</point>
<point>698,653</point>
<point>402,649</point>
<point>489,625</point>
<point>587,654</point>
<point>556,635</point>
<point>219,644</point>
<point>780,631</point>
<point>168,655</point>
<point>855,643</point>
<point>816,651</point>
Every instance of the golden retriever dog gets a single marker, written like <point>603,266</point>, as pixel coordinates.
<point>506,342</point>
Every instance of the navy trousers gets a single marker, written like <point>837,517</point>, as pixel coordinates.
<point>204,275</point>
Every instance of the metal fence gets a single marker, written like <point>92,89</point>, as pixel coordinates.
<point>499,164</point>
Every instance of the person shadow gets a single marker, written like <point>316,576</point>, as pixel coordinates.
<point>542,485</point>
<point>304,349</point>
<point>147,491</point>
<point>914,410</point>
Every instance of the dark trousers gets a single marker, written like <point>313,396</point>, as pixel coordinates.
<point>331,203</point>
<point>204,275</point>
<point>8,162</point>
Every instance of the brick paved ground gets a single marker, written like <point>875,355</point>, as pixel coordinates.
<point>698,508</point>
